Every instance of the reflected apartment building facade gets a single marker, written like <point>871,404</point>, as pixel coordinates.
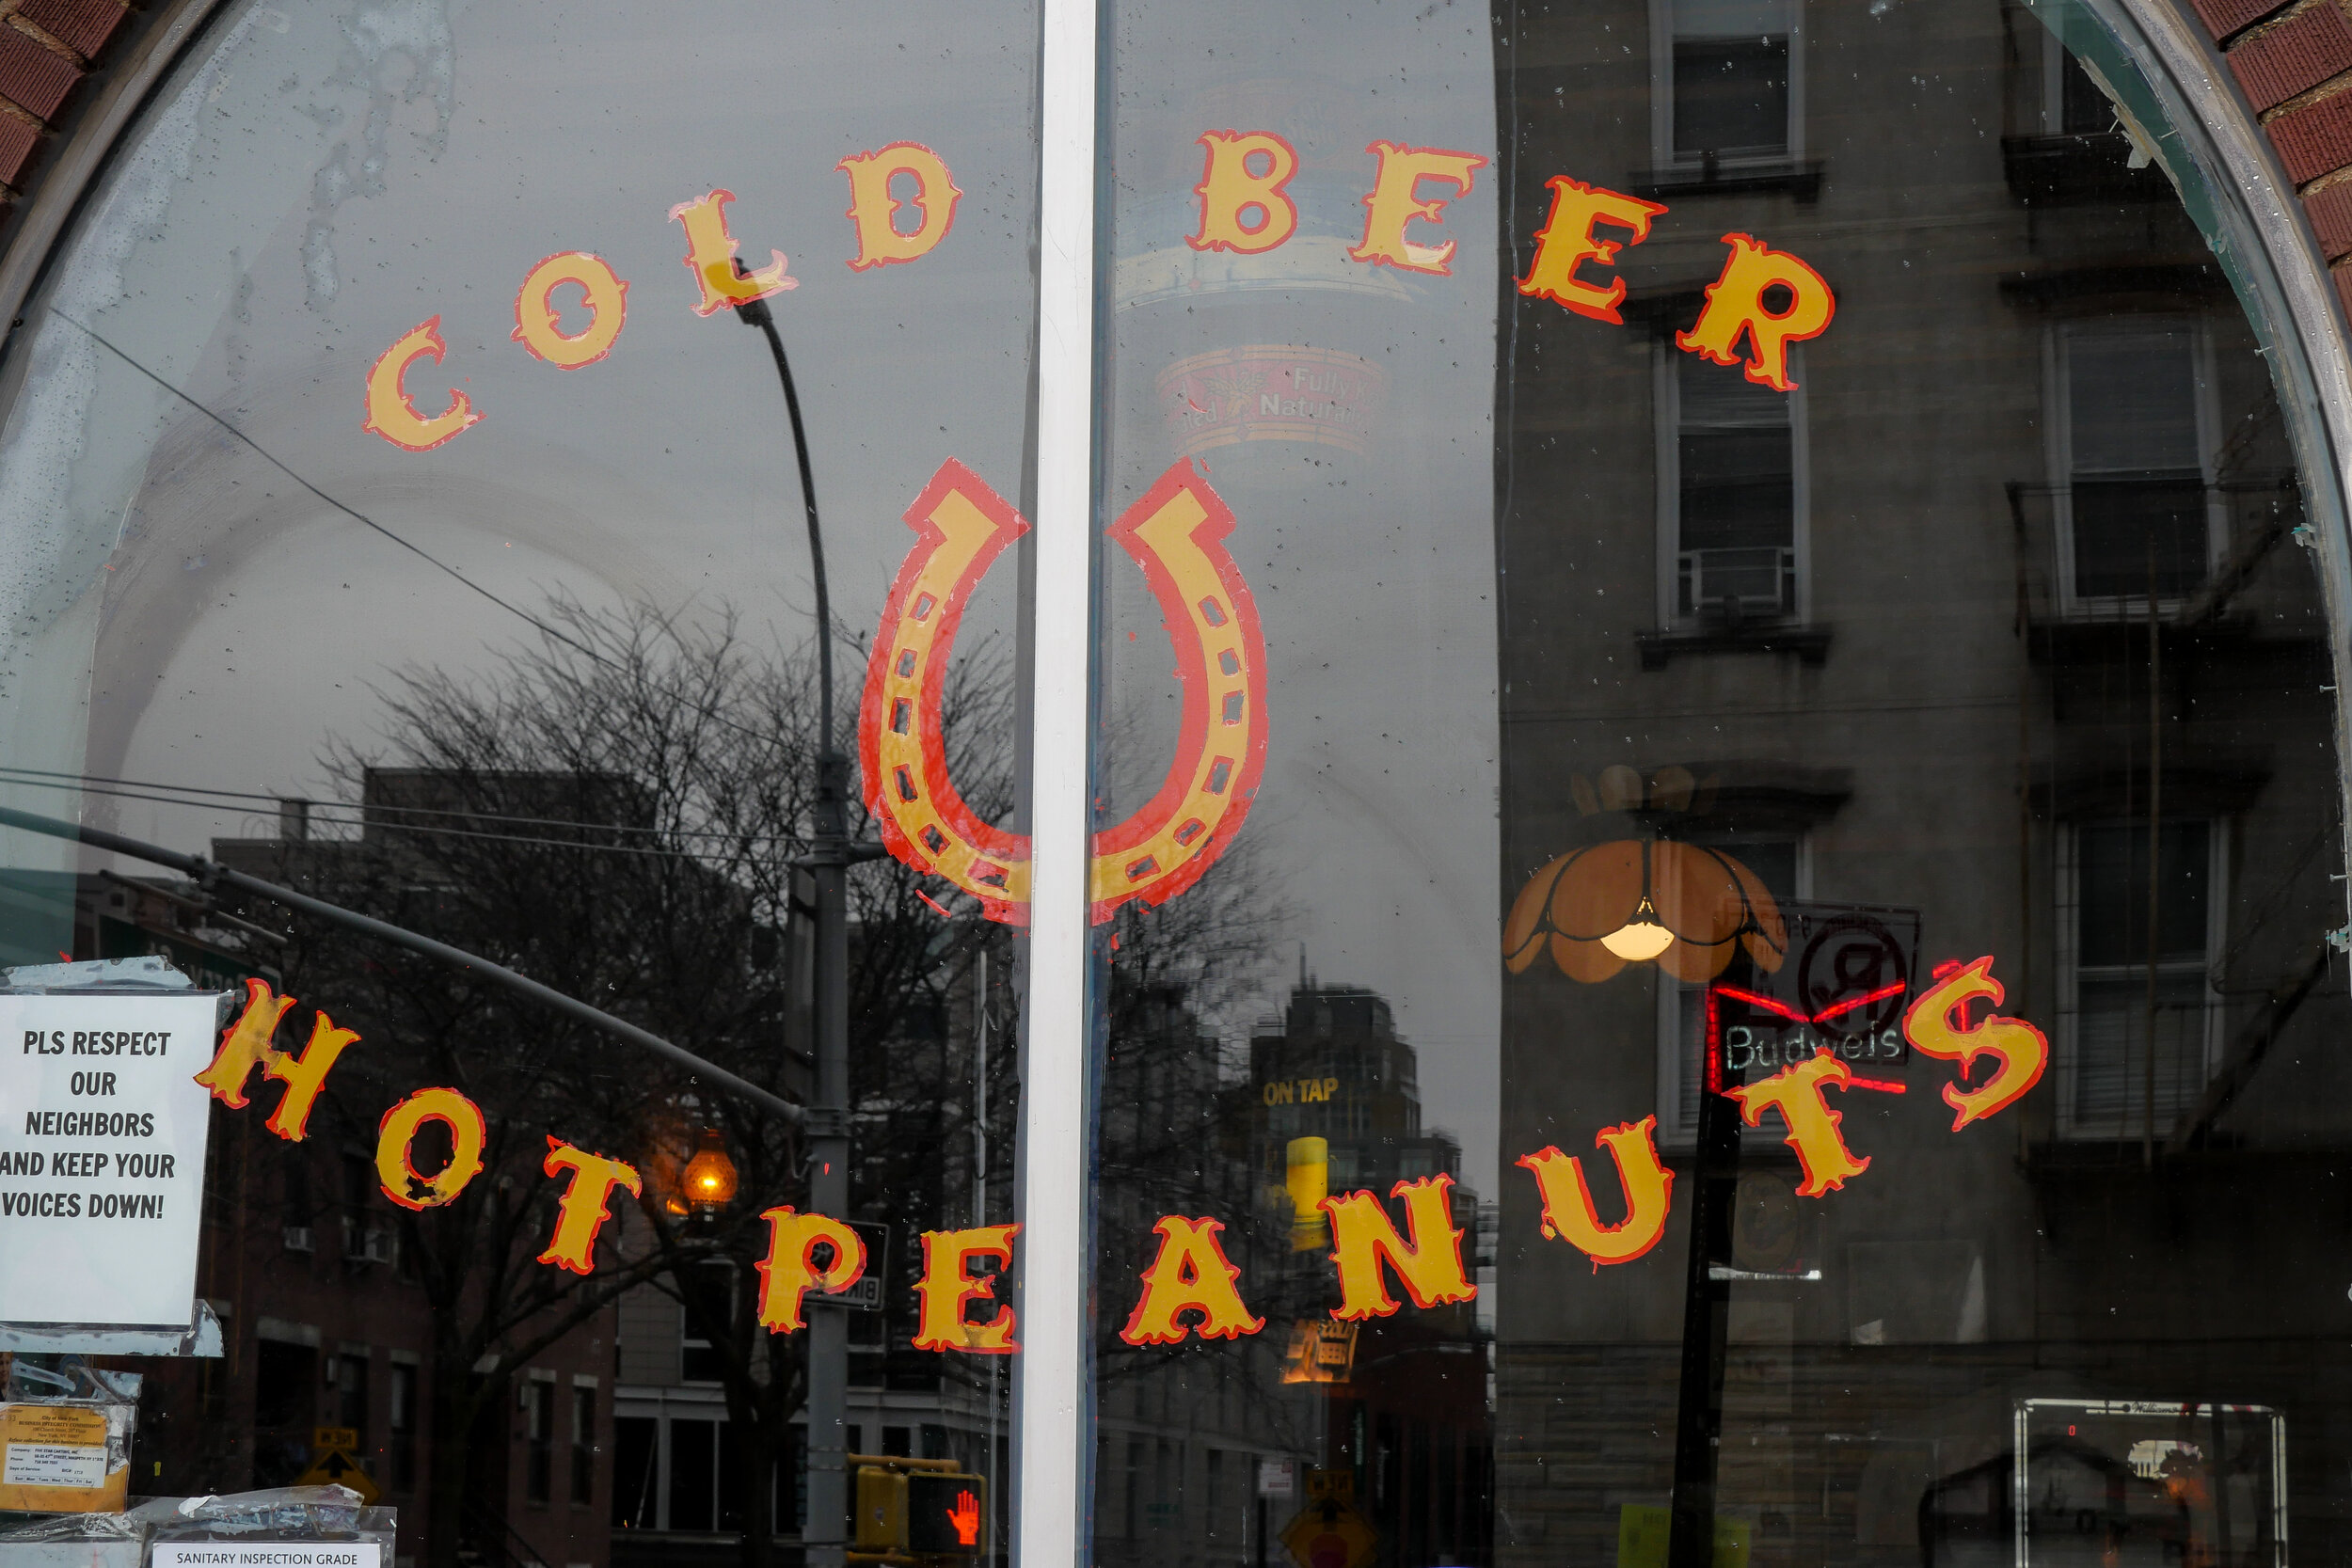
<point>2004,604</point>
<point>1210,1452</point>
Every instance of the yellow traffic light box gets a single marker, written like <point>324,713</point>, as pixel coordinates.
<point>908,1509</point>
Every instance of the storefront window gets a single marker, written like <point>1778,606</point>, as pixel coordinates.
<point>1764,511</point>
<point>398,511</point>
<point>1541,785</point>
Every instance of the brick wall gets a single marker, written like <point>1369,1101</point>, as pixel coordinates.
<point>46,48</point>
<point>2293,62</point>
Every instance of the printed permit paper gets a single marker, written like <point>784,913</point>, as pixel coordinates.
<point>53,1464</point>
<point>267,1553</point>
<point>102,1156</point>
<point>53,1460</point>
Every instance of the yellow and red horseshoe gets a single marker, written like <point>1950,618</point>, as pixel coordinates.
<point>1177,534</point>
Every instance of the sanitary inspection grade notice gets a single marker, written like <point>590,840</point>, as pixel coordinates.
<point>267,1553</point>
<point>102,1156</point>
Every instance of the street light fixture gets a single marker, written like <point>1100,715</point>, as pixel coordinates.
<point>711,1179</point>
<point>824,1537</point>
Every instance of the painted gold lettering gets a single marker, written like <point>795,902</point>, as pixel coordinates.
<point>1566,241</point>
<point>392,416</point>
<point>710,257</point>
<point>1190,1273</point>
<point>946,1288</point>
<point>1568,1208</point>
<point>402,1181</point>
<point>874,209</point>
<point>305,1075</point>
<point>1735,306</point>
<point>1795,1092</point>
<point>1427,1259</point>
<point>582,1212</point>
<point>1395,200</point>
<point>246,1044</point>
<point>1936,1025</point>
<point>537,326</point>
<point>788,1272</point>
<point>1244,172</point>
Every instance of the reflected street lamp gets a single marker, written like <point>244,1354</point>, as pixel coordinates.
<point>830,856</point>
<point>710,1180</point>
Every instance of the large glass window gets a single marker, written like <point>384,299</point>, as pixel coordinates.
<point>1483,788</point>
<point>1847,641</point>
<point>456,468</point>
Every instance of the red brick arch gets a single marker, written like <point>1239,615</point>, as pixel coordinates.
<point>2293,61</point>
<point>46,48</point>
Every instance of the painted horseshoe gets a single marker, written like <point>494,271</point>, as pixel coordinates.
<point>1176,533</point>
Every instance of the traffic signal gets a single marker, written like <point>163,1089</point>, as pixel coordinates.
<point>916,1508</point>
<point>944,1514</point>
<point>881,1510</point>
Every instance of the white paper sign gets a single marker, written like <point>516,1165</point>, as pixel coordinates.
<point>102,1156</point>
<point>267,1553</point>
<point>53,1464</point>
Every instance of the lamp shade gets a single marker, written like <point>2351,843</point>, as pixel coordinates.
<point>1684,907</point>
<point>710,1178</point>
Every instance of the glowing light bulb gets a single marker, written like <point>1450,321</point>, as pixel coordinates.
<point>710,1178</point>
<point>1641,938</point>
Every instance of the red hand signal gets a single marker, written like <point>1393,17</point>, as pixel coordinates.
<point>965,1518</point>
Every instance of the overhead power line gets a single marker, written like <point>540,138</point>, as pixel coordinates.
<point>546,627</point>
<point>210,874</point>
<point>371,815</point>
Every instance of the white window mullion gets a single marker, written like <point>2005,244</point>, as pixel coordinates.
<point>1048,1505</point>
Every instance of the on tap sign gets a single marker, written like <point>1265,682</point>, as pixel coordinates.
<point>102,1157</point>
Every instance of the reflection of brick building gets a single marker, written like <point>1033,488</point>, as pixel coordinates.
<point>1408,1418</point>
<point>1927,574</point>
<point>322,1319</point>
<point>1182,1430</point>
<point>677,1495</point>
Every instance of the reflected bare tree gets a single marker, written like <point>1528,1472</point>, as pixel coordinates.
<point>615,811</point>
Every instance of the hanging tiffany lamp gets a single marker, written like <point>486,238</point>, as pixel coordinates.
<point>1684,907</point>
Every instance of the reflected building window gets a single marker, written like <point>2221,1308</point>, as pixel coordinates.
<point>2123,993</point>
<point>400,1425</point>
<point>636,1472</point>
<point>285,1407</point>
<point>539,1438</point>
<point>583,1442</point>
<point>2140,514</point>
<point>1728,80</point>
<point>1731,493</point>
<point>699,1360</point>
<point>693,1487</point>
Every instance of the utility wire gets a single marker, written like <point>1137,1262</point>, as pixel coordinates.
<point>432,830</point>
<point>546,627</point>
<point>172,793</point>
<point>351,512</point>
<point>209,874</point>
